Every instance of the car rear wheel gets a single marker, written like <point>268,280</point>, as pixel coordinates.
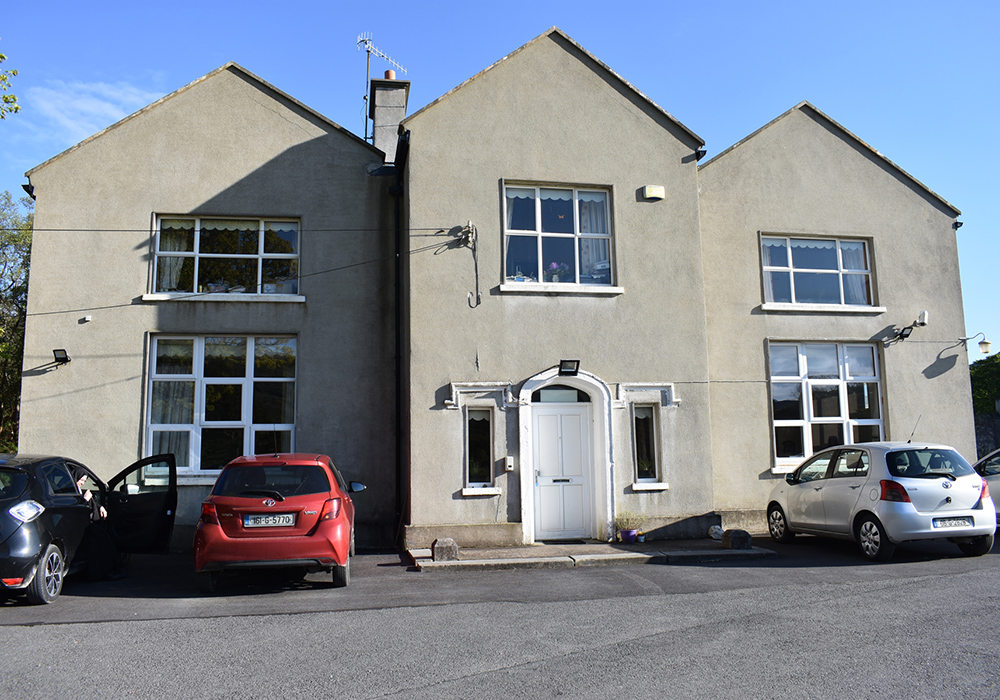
<point>977,546</point>
<point>875,544</point>
<point>48,581</point>
<point>208,581</point>
<point>777,525</point>
<point>342,574</point>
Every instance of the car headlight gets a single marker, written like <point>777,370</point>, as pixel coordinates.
<point>26,511</point>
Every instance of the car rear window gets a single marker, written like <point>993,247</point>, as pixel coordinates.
<point>927,463</point>
<point>12,483</point>
<point>284,479</point>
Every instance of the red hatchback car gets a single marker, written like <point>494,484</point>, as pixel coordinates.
<point>282,510</point>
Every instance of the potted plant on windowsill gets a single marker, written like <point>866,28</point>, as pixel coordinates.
<point>627,524</point>
<point>555,271</point>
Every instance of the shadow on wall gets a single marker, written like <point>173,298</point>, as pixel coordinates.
<point>942,364</point>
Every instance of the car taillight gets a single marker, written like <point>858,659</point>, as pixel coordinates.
<point>26,511</point>
<point>11,582</point>
<point>209,514</point>
<point>985,493</point>
<point>894,491</point>
<point>331,509</point>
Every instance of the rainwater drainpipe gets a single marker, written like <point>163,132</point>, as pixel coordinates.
<point>396,190</point>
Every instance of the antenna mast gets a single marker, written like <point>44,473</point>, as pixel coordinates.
<point>370,48</point>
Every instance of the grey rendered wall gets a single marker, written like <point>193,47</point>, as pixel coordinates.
<point>549,114</point>
<point>225,145</point>
<point>802,174</point>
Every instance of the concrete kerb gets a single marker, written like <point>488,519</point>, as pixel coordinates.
<point>516,559</point>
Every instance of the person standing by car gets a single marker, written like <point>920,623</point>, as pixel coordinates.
<point>97,545</point>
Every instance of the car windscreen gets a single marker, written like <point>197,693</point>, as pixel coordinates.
<point>927,463</point>
<point>12,483</point>
<point>282,479</point>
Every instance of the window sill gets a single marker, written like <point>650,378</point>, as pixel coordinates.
<point>558,288</point>
<point>776,307</point>
<point>197,479</point>
<point>782,469</point>
<point>481,491</point>
<point>208,296</point>
<point>650,486</point>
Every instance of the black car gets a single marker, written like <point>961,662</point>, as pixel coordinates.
<point>44,514</point>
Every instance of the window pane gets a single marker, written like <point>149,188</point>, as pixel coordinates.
<point>775,252</point>
<point>274,357</point>
<point>826,401</point>
<point>852,253</point>
<point>822,361</point>
<point>784,361</point>
<point>280,276</point>
<point>857,290</point>
<point>272,441</point>
<point>172,403</point>
<point>176,235</point>
<point>174,356</point>
<point>786,401</point>
<point>479,448</point>
<point>281,237</point>
<point>224,402</point>
<point>520,209</point>
<point>557,211</point>
<point>177,442</point>
<point>827,435</point>
<point>595,261</point>
<point>788,441</point>
<point>522,258</point>
<point>860,361</point>
<point>558,259</point>
<point>235,275</point>
<point>812,254</point>
<point>778,287</point>
<point>273,402</point>
<point>645,443</point>
<point>225,357</point>
<point>219,446</point>
<point>593,210</point>
<point>862,401</point>
<point>229,237</point>
<point>174,274</point>
<point>867,433</point>
<point>817,288</point>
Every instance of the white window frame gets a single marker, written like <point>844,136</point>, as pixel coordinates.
<point>655,426</point>
<point>806,383</point>
<point>262,290</point>
<point>199,421</point>
<point>479,486</point>
<point>513,283</point>
<point>841,273</point>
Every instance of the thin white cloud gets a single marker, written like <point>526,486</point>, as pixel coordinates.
<point>71,111</point>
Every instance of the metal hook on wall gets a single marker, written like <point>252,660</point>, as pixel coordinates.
<point>470,237</point>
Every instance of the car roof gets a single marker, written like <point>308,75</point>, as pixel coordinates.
<point>280,458</point>
<point>25,460</point>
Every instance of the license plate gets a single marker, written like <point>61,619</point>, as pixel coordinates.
<point>269,520</point>
<point>952,522</point>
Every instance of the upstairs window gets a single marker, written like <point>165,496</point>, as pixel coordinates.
<point>816,271</point>
<point>231,256</point>
<point>557,235</point>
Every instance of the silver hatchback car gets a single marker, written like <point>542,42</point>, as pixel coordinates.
<point>883,493</point>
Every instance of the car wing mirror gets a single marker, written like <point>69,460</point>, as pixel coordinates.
<point>791,478</point>
<point>356,486</point>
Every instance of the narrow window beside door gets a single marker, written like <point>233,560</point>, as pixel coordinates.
<point>479,448</point>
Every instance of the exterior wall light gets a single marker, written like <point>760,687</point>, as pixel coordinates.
<point>61,356</point>
<point>569,368</point>
<point>984,344</point>
<point>904,333</point>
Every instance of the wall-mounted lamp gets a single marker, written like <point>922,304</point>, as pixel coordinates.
<point>904,333</point>
<point>569,368</point>
<point>61,356</point>
<point>984,345</point>
<point>957,225</point>
<point>699,154</point>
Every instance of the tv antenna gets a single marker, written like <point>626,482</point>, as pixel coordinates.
<point>370,48</point>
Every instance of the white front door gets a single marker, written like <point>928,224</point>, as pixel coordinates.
<point>562,471</point>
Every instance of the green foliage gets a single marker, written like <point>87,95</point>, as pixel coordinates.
<point>627,520</point>
<point>8,102</point>
<point>16,221</point>
<point>985,375</point>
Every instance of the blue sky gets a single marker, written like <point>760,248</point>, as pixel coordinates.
<point>918,81</point>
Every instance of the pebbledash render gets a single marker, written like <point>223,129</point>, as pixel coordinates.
<point>526,308</point>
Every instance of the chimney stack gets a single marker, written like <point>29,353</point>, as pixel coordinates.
<point>387,108</point>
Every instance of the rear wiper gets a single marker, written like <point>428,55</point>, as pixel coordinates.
<point>947,474</point>
<point>273,494</point>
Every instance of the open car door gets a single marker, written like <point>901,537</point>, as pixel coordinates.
<point>141,504</point>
